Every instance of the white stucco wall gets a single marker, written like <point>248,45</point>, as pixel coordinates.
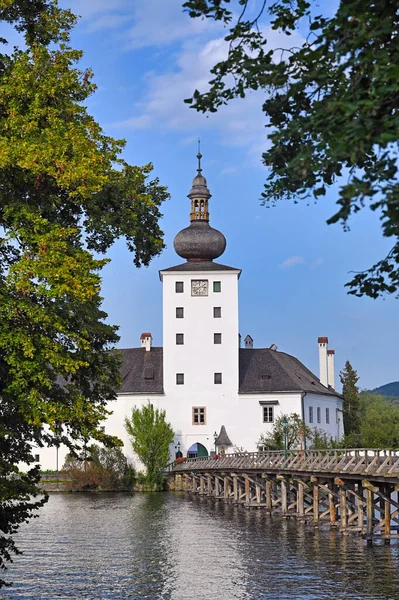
<point>334,403</point>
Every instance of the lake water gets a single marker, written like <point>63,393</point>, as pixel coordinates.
<point>182,547</point>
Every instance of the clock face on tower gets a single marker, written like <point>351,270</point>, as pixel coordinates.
<point>199,287</point>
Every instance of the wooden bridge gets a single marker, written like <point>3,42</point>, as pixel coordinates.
<point>355,490</point>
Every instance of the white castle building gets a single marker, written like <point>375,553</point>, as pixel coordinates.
<point>216,394</point>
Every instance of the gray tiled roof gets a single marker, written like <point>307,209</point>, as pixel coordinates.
<point>142,371</point>
<point>200,265</point>
<point>261,371</point>
<point>265,370</point>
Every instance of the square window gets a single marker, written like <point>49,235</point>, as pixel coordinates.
<point>310,414</point>
<point>217,286</point>
<point>179,378</point>
<point>199,414</point>
<point>179,339</point>
<point>179,312</point>
<point>217,338</point>
<point>37,457</point>
<point>268,414</point>
<point>327,415</point>
<point>179,287</point>
<point>318,414</point>
<point>217,378</point>
<point>217,312</point>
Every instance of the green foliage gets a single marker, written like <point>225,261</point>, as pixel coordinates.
<point>320,440</point>
<point>65,192</point>
<point>379,422</point>
<point>331,104</point>
<point>351,404</point>
<point>296,430</point>
<point>150,436</point>
<point>102,469</point>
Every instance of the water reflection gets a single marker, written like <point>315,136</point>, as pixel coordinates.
<point>177,547</point>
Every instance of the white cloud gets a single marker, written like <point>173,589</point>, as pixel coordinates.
<point>316,263</point>
<point>292,261</point>
<point>241,123</point>
<point>163,22</point>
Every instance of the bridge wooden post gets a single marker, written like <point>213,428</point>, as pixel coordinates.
<point>333,509</point>
<point>284,503</point>
<point>226,488</point>
<point>343,511</point>
<point>369,510</point>
<point>316,500</point>
<point>258,494</point>
<point>360,508</point>
<point>217,486</point>
<point>300,500</point>
<point>247,491</point>
<point>202,485</point>
<point>209,485</point>
<point>269,495</point>
<point>387,514</point>
<point>186,482</point>
<point>235,488</point>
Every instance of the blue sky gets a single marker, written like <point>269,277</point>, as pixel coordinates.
<point>147,57</point>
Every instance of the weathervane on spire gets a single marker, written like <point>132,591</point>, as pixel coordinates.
<point>199,156</point>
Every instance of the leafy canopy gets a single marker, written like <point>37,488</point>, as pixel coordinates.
<point>331,105</point>
<point>65,193</point>
<point>150,436</point>
<point>351,403</point>
<point>295,429</point>
<point>101,469</point>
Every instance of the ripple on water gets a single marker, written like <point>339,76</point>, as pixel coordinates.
<point>177,547</point>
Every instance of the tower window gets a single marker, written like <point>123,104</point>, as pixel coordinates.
<point>318,412</point>
<point>217,338</point>
<point>217,312</point>
<point>217,378</point>
<point>310,414</point>
<point>179,339</point>
<point>199,415</point>
<point>217,286</point>
<point>268,414</point>
<point>179,378</point>
<point>179,312</point>
<point>179,287</point>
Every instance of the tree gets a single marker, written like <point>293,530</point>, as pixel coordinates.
<point>379,423</point>
<point>351,404</point>
<point>296,430</point>
<point>102,469</point>
<point>65,193</point>
<point>331,103</point>
<point>150,436</point>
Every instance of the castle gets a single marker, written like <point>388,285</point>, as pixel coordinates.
<point>218,396</point>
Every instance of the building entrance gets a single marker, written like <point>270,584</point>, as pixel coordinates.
<point>197,449</point>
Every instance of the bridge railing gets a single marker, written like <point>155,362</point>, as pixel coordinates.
<point>366,461</point>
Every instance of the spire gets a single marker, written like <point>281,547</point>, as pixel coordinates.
<point>199,194</point>
<point>199,241</point>
<point>199,156</point>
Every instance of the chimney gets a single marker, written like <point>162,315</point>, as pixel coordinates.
<point>323,346</point>
<point>273,347</point>
<point>249,343</point>
<point>331,368</point>
<point>146,341</point>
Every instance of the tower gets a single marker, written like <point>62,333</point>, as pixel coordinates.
<point>200,324</point>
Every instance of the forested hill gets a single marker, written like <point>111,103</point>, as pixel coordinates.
<point>391,390</point>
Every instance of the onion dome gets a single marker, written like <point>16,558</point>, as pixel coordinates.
<point>199,241</point>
